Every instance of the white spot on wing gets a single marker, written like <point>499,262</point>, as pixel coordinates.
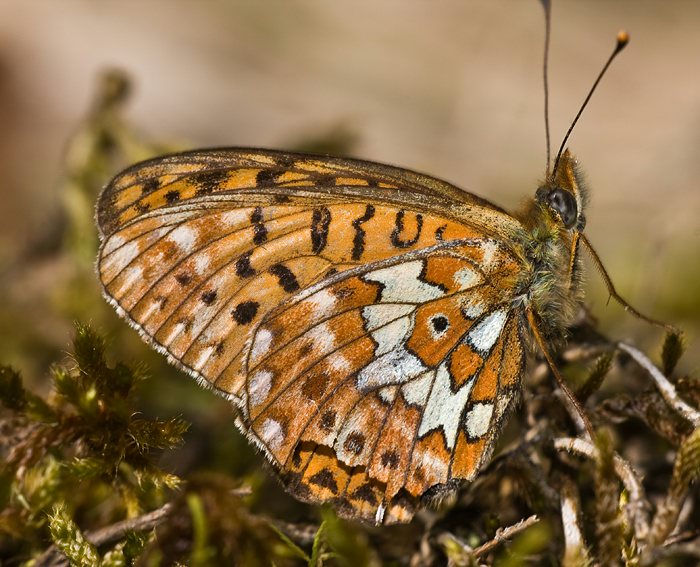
<point>433,465</point>
<point>382,313</point>
<point>261,344</point>
<point>323,337</point>
<point>132,275</point>
<point>444,407</point>
<point>201,319</point>
<point>402,284</point>
<point>272,433</point>
<point>338,362</point>
<point>121,257</point>
<point>388,393</point>
<point>201,263</point>
<point>416,391</point>
<point>184,237</point>
<point>174,332</point>
<point>479,419</point>
<point>392,335</point>
<point>234,218</point>
<point>502,402</point>
<point>395,367</point>
<point>259,387</point>
<point>322,301</point>
<point>466,278</point>
<point>149,311</point>
<point>379,516</point>
<point>472,306</point>
<point>485,333</point>
<point>113,243</point>
<point>203,357</point>
<point>490,249</point>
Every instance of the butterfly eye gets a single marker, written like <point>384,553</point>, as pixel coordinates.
<point>564,204</point>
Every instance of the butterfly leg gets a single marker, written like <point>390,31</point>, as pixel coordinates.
<point>573,257</point>
<point>616,296</point>
<point>578,410</point>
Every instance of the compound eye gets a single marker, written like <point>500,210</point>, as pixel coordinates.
<point>564,204</point>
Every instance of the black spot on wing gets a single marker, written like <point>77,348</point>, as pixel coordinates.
<point>266,177</point>
<point>396,235</point>
<point>245,312</point>
<point>286,277</point>
<point>183,278</point>
<point>440,323</point>
<point>243,267</point>
<point>365,493</point>
<point>208,297</point>
<point>325,479</point>
<point>320,223</point>
<point>354,443</point>
<point>285,161</point>
<point>324,179</point>
<point>208,181</point>
<point>172,197</point>
<point>328,420</point>
<point>358,243</point>
<point>259,229</point>
<point>186,323</point>
<point>439,232</point>
<point>390,459</point>
<point>150,185</point>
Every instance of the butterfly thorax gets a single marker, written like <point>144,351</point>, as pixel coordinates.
<point>545,283</point>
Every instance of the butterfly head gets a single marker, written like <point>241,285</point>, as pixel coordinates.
<point>563,194</point>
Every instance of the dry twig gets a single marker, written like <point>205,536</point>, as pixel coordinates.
<point>637,509</point>
<point>664,385</point>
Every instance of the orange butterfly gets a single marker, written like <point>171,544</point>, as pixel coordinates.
<point>368,322</point>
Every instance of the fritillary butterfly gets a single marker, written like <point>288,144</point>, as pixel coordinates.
<point>368,322</point>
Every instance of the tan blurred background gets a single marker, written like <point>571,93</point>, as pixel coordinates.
<point>451,88</point>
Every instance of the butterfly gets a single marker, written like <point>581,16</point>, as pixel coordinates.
<point>369,323</point>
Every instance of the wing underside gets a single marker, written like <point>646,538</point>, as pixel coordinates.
<point>321,295</point>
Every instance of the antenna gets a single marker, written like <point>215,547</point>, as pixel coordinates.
<point>547,5</point>
<point>622,40</point>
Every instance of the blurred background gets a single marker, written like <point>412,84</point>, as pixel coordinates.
<point>453,89</point>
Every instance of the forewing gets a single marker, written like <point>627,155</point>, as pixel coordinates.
<point>197,247</point>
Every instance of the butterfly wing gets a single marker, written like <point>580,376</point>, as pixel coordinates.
<point>286,280</point>
<point>385,382</point>
<point>274,177</point>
